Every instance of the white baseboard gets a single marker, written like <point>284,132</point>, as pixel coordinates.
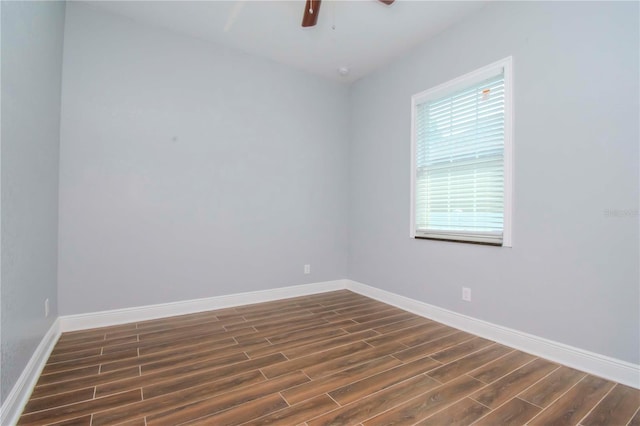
<point>21,391</point>
<point>590,362</point>
<point>143,313</point>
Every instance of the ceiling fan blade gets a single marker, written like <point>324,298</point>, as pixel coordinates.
<point>311,11</point>
<point>387,2</point>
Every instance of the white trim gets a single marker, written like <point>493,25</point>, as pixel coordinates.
<point>505,67</point>
<point>458,83</point>
<point>143,313</point>
<point>19,396</point>
<point>590,362</point>
<point>507,220</point>
<point>412,175</point>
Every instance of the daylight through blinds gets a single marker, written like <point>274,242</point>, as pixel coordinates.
<point>460,163</point>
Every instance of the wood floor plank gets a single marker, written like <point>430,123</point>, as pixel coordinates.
<point>463,365</point>
<point>354,304</point>
<point>46,379</point>
<point>179,319</point>
<point>378,322</point>
<point>400,325</point>
<point>243,413</point>
<point>176,355</point>
<point>187,329</point>
<point>494,370</point>
<point>371,308</point>
<point>616,408</point>
<point>326,368</point>
<point>433,346</point>
<point>175,322</point>
<point>421,407</point>
<point>635,420</point>
<point>374,404</point>
<point>313,359</point>
<point>81,334</point>
<point>325,310</point>
<point>226,401</point>
<point>284,326</point>
<point>66,340</point>
<point>144,346</point>
<point>323,345</point>
<point>297,413</point>
<point>335,358</point>
<point>516,412</point>
<point>359,298</point>
<point>435,332</point>
<point>461,350</point>
<point>293,335</point>
<point>402,334</point>
<point>249,339</point>
<point>62,349</point>
<point>551,387</point>
<point>317,338</point>
<point>83,382</point>
<point>150,406</point>
<point>172,327</point>
<point>570,408</point>
<point>238,326</point>
<point>513,383</point>
<point>180,344</point>
<point>244,341</point>
<point>89,361</point>
<point>329,302</point>
<point>153,383</point>
<point>67,412</point>
<point>361,388</point>
<point>339,320</point>
<point>377,314</point>
<point>57,400</point>
<point>77,421</point>
<point>73,355</point>
<point>286,322</point>
<point>136,422</point>
<point>155,389</point>
<point>212,358</point>
<point>274,310</point>
<point>341,378</point>
<point>90,332</point>
<point>462,413</point>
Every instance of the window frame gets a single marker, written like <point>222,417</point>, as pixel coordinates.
<point>504,65</point>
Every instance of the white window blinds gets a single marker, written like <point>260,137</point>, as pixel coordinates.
<point>459,149</point>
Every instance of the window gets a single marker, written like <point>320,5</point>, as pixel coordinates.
<point>461,178</point>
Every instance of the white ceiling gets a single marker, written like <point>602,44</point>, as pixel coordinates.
<point>359,34</point>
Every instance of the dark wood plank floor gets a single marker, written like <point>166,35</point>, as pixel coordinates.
<point>335,358</point>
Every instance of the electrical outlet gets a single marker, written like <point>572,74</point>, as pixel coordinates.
<point>307,269</point>
<point>46,308</point>
<point>466,294</point>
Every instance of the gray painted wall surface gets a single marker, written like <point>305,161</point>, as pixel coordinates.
<point>572,274</point>
<point>188,170</point>
<point>32,38</point>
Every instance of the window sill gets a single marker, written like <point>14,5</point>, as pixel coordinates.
<point>451,240</point>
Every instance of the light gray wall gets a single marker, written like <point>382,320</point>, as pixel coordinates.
<point>188,170</point>
<point>32,38</point>
<point>572,274</point>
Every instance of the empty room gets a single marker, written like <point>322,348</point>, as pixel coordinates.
<point>310,213</point>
